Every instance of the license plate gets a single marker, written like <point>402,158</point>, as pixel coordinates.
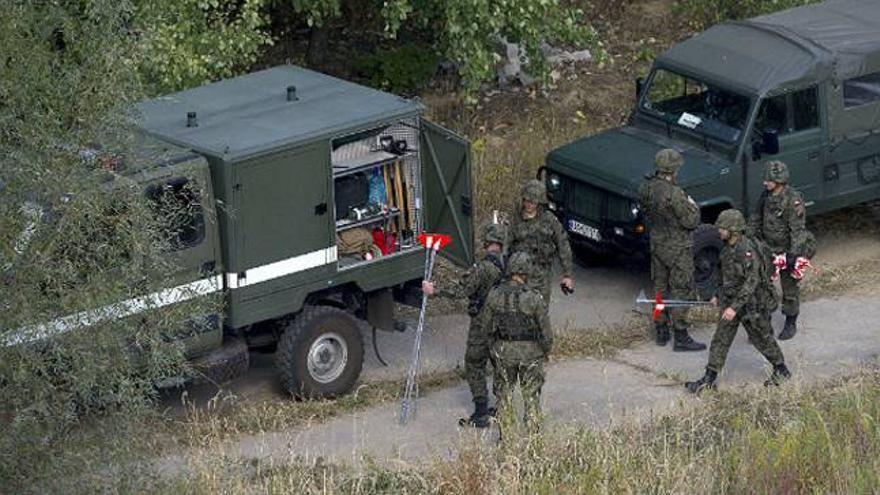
<point>585,230</point>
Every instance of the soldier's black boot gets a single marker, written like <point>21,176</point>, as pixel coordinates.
<point>683,342</point>
<point>480,417</point>
<point>704,383</point>
<point>790,327</point>
<point>662,333</point>
<point>780,374</point>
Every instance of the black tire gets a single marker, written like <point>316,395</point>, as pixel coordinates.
<point>707,264</point>
<point>320,354</point>
<point>222,365</point>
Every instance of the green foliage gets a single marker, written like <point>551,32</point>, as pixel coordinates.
<point>75,235</point>
<point>317,12</point>
<point>470,29</point>
<point>466,32</point>
<point>400,70</point>
<point>704,13</point>
<point>184,43</point>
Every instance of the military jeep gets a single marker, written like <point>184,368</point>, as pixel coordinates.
<point>801,86</point>
<point>306,195</point>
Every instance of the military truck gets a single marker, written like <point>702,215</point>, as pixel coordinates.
<point>305,196</point>
<point>801,86</point>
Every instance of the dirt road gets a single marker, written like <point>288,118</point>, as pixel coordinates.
<point>839,332</point>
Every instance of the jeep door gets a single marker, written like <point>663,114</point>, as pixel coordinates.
<point>852,173</point>
<point>183,196</point>
<point>797,117</point>
<point>448,193</point>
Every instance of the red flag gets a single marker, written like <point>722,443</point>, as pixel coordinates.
<point>434,241</point>
<point>659,306</point>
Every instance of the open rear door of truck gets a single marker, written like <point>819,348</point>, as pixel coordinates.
<point>447,190</point>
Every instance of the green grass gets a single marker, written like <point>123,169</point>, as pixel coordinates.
<point>823,439</point>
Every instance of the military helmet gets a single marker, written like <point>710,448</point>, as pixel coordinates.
<point>668,161</point>
<point>776,171</point>
<point>494,233</point>
<point>534,191</point>
<point>731,220</point>
<point>519,263</point>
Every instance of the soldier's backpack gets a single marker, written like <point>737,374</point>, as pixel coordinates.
<point>766,294</point>
<point>478,300</point>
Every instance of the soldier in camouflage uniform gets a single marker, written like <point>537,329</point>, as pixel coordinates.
<point>538,233</point>
<point>522,338</point>
<point>747,296</point>
<point>779,221</point>
<point>475,286</point>
<point>672,217</point>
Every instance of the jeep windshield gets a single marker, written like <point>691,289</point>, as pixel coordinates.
<point>686,102</point>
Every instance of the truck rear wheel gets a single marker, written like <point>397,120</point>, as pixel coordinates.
<point>707,252</point>
<point>320,354</point>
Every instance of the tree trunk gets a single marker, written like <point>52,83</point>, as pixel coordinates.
<point>317,46</point>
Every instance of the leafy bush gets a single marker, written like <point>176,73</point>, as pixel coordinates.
<point>75,233</point>
<point>401,70</point>
<point>704,13</point>
<point>184,43</point>
<point>465,32</point>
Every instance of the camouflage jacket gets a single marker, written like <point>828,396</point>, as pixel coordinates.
<point>672,214</point>
<point>517,312</point>
<point>543,239</point>
<point>779,221</point>
<point>740,275</point>
<point>478,281</point>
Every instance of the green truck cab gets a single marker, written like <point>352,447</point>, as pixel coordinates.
<point>801,86</point>
<point>304,196</point>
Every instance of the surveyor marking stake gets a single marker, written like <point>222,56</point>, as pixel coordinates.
<point>433,244</point>
<point>659,304</point>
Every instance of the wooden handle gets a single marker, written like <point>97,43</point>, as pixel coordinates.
<point>398,191</point>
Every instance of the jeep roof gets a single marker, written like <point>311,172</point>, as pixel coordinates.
<point>251,114</point>
<point>786,50</point>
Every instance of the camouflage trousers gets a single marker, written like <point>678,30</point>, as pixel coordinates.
<point>791,293</point>
<point>522,363</point>
<point>672,270</point>
<point>476,357</point>
<point>757,325</point>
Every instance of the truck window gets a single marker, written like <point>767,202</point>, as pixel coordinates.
<point>177,203</point>
<point>861,90</point>
<point>792,112</point>
<point>696,105</point>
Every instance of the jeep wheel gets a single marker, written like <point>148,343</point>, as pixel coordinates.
<point>707,251</point>
<point>320,354</point>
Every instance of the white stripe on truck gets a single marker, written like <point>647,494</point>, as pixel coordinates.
<point>281,268</point>
<point>164,297</point>
<point>167,297</point>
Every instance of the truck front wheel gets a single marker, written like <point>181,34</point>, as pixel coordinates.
<point>707,251</point>
<point>320,354</point>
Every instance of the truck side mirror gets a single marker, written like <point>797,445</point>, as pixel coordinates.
<point>640,85</point>
<point>770,142</point>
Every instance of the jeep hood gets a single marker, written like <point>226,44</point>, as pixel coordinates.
<point>619,159</point>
